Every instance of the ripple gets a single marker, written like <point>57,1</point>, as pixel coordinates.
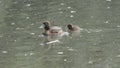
<point>72,11</point>
<point>69,7</point>
<point>28,5</point>
<point>90,62</point>
<point>62,4</point>
<point>106,22</point>
<point>108,7</point>
<point>32,33</point>
<point>109,0</point>
<point>13,23</point>
<point>71,16</point>
<point>4,52</point>
<point>60,53</point>
<point>118,56</point>
<point>31,53</point>
<point>118,26</point>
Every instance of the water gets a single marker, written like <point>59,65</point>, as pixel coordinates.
<point>97,46</point>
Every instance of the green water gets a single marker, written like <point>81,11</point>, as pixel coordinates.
<point>97,46</point>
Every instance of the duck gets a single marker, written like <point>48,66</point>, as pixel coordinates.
<point>51,30</point>
<point>52,34</point>
<point>73,28</point>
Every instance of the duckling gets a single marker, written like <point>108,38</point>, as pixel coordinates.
<point>51,30</point>
<point>73,28</point>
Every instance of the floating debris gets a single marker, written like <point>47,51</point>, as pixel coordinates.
<point>72,11</point>
<point>28,5</point>
<point>62,4</point>
<point>60,53</point>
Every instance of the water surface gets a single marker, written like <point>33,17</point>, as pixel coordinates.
<point>97,46</point>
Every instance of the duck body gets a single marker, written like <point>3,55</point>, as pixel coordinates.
<point>52,32</point>
<point>73,28</point>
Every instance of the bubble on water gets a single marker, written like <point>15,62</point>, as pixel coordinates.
<point>69,7</point>
<point>62,4</point>
<point>108,0</point>
<point>13,23</point>
<point>118,26</point>
<point>60,53</point>
<point>31,53</point>
<point>108,7</point>
<point>25,54</point>
<point>15,40</point>
<point>28,5</point>
<point>106,22</point>
<point>4,52</point>
<point>118,56</point>
<point>65,59</point>
<point>71,49</point>
<point>90,62</point>
<point>71,16</point>
<point>72,11</point>
<point>27,17</point>
<point>32,33</point>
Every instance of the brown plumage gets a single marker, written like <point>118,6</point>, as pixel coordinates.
<point>51,30</point>
<point>73,28</point>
